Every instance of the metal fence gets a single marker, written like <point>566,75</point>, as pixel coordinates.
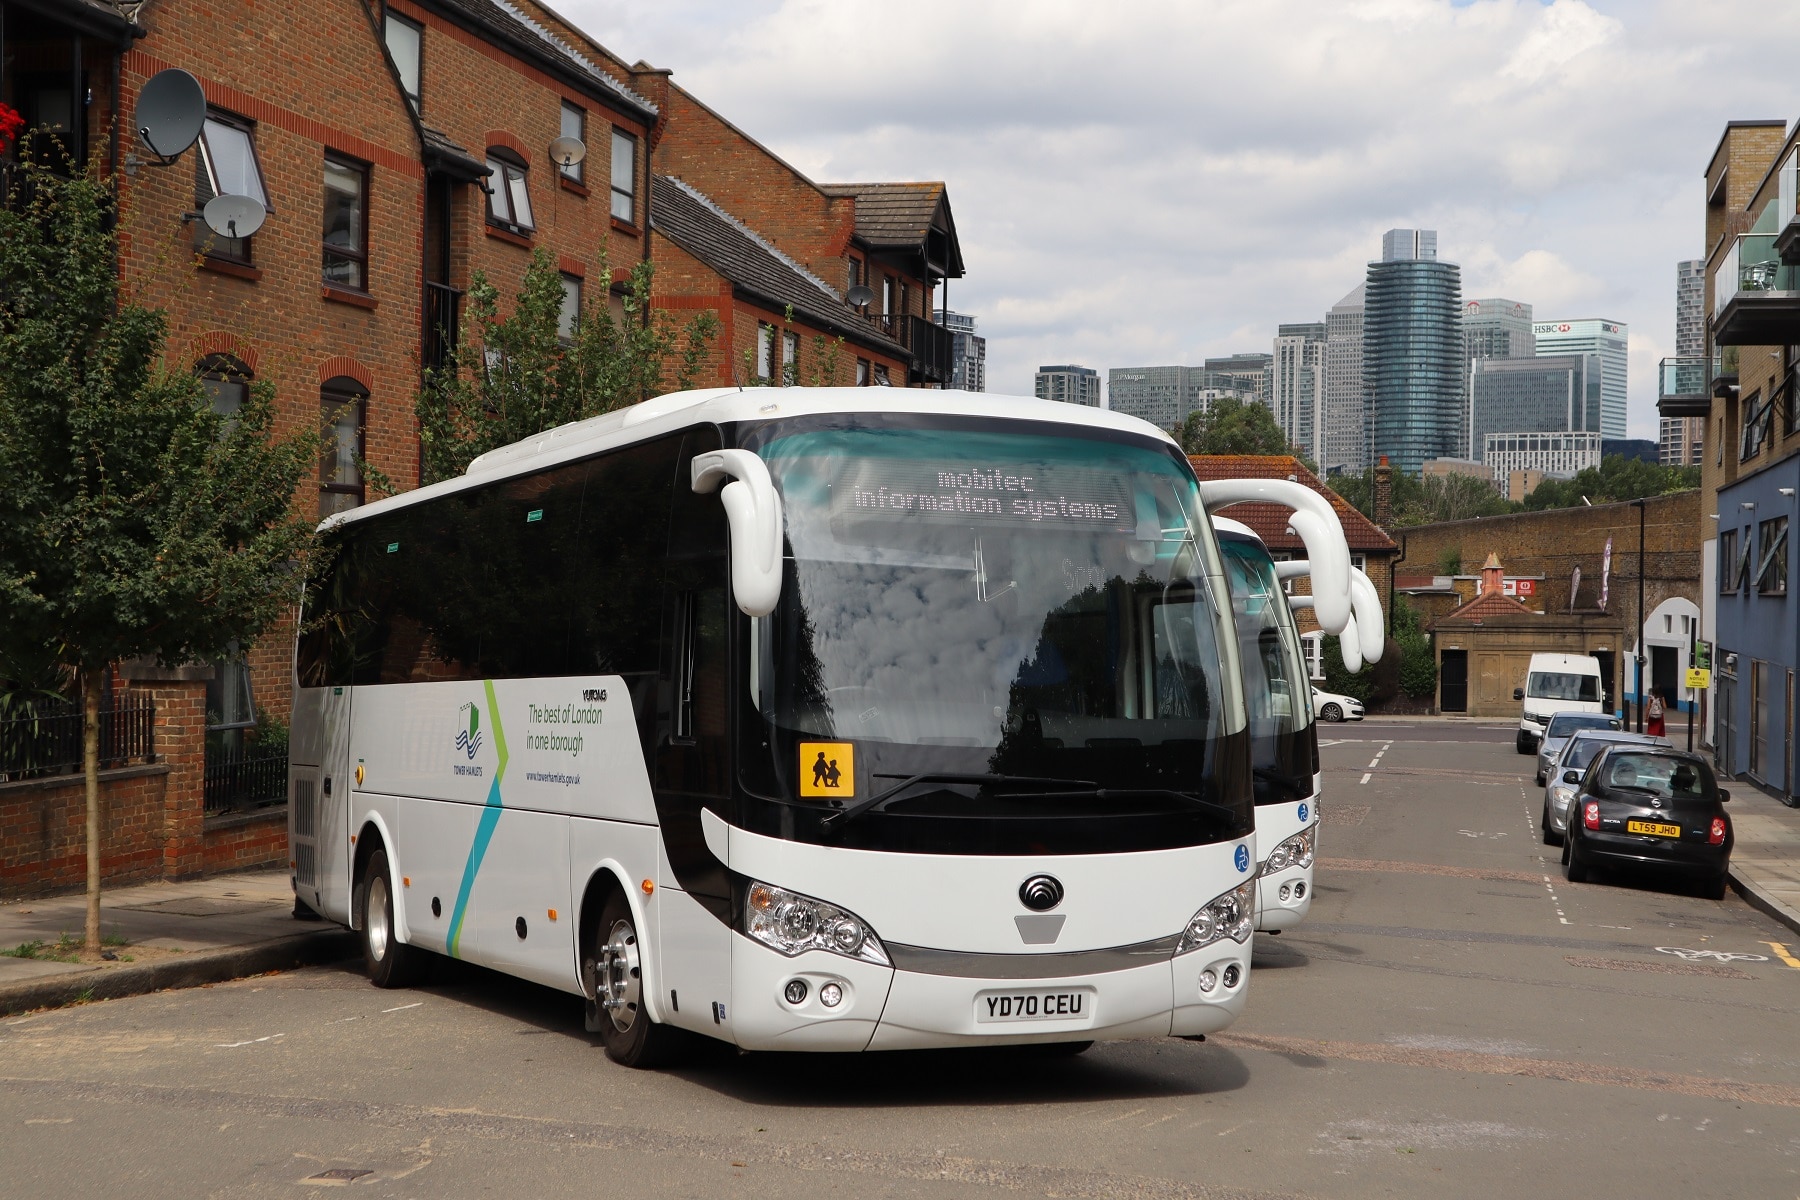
<point>45,738</point>
<point>244,779</point>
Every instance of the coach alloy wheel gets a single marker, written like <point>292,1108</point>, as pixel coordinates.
<point>618,978</point>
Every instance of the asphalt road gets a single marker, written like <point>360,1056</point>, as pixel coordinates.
<point>1454,1020</point>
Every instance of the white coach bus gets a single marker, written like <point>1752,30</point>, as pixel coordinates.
<point>812,719</point>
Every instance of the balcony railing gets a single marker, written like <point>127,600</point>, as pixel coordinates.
<point>443,321</point>
<point>1756,296</point>
<point>930,346</point>
<point>1682,387</point>
<point>1787,209</point>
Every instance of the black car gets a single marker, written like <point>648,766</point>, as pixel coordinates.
<point>1649,808</point>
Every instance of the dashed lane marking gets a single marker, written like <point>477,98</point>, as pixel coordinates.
<point>1365,778</point>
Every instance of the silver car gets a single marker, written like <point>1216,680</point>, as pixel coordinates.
<point>1557,732</point>
<point>1577,752</point>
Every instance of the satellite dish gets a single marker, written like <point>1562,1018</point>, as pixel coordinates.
<point>861,294</point>
<point>233,216</point>
<point>170,110</point>
<point>567,151</point>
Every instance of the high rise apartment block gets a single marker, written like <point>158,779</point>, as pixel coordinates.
<point>1413,352</point>
<point>968,353</point>
<point>1608,339</point>
<point>1297,385</point>
<point>1254,371</point>
<point>1341,403</point>
<point>1069,383</point>
<point>1166,396</point>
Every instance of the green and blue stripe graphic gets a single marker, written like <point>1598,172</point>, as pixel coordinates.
<point>484,831</point>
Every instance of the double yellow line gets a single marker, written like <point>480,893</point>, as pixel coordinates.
<point>1781,952</point>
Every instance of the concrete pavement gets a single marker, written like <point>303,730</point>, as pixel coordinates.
<point>165,935</point>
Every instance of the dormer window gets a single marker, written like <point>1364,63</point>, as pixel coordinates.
<point>508,202</point>
<point>406,44</point>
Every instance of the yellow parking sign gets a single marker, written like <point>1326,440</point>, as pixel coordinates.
<point>827,769</point>
<point>1697,678</point>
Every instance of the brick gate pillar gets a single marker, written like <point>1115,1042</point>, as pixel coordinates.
<point>180,697</point>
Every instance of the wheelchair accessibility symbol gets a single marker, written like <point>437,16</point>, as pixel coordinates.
<point>1304,810</point>
<point>1242,858</point>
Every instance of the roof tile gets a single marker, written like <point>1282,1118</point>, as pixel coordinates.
<point>1270,521</point>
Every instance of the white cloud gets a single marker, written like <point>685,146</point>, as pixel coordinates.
<point>1157,181</point>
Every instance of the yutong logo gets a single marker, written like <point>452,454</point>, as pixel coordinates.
<point>1041,893</point>
<point>468,737</point>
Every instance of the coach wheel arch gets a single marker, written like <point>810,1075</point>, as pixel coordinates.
<point>368,838</point>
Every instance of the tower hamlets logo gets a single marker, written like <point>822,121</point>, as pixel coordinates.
<point>468,736</point>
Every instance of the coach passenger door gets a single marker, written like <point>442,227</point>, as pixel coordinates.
<point>691,755</point>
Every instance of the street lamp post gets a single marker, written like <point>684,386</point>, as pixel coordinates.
<point>1639,504</point>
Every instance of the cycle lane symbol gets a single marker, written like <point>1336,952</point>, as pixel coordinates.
<point>1723,956</point>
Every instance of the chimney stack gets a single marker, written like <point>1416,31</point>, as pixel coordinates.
<point>1384,494</point>
<point>1493,576</point>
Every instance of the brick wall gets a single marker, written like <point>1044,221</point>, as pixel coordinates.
<point>43,830</point>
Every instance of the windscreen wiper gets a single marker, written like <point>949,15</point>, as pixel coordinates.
<point>1048,789</point>
<point>1288,783</point>
<point>845,816</point>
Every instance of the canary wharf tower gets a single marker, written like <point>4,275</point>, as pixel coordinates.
<point>1412,352</point>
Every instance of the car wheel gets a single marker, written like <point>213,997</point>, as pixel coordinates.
<point>1575,868</point>
<point>1551,837</point>
<point>1525,744</point>
<point>1715,889</point>
<point>390,962</point>
<point>1540,779</point>
<point>611,961</point>
<point>1332,712</point>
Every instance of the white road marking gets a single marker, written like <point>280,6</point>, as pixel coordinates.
<point>404,1007</point>
<point>1365,778</point>
<point>251,1042</point>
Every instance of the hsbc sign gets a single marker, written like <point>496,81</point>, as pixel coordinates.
<point>1555,327</point>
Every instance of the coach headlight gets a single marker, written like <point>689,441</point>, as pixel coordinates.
<point>1228,916</point>
<point>792,924</point>
<point>1296,851</point>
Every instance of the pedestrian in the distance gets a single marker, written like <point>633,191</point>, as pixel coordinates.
<point>1653,714</point>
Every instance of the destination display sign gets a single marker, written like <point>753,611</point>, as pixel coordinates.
<point>993,494</point>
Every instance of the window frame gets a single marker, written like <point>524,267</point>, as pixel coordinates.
<point>575,172</point>
<point>1728,557</point>
<point>790,358</point>
<point>864,372</point>
<point>765,351</point>
<point>358,256</point>
<point>334,394</point>
<point>1758,420</point>
<point>630,196</point>
<point>567,337</point>
<point>415,98</point>
<point>206,176</point>
<point>512,168</point>
<point>226,370</point>
<point>1772,557</point>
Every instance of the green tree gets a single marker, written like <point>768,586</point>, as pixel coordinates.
<point>134,520</point>
<point>1233,426</point>
<point>1418,662</point>
<point>517,375</point>
<point>1617,478</point>
<point>1424,500</point>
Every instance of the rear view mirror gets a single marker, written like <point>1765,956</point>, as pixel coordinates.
<point>753,510</point>
<point>1724,795</point>
<point>1571,776</point>
<point>1518,693</point>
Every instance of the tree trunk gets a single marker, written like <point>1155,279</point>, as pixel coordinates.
<point>91,679</point>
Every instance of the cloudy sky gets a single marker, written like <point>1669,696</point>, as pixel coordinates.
<point>1155,181</point>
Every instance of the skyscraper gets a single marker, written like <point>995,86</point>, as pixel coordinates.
<point>1681,440</point>
<point>1560,393</point>
<point>1413,352</point>
<point>1255,371</point>
<point>1497,328</point>
<point>1070,384</point>
<point>968,353</point>
<point>1165,396</point>
<point>1608,339</point>
<point>1296,384</point>
<point>1342,402</point>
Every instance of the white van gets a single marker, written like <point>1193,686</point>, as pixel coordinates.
<point>1556,683</point>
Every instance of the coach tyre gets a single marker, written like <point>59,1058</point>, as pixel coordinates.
<point>611,960</point>
<point>390,962</point>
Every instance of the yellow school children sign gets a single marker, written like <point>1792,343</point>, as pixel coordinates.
<point>827,769</point>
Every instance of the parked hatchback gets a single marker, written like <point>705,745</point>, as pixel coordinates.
<point>1565,773</point>
<point>1562,725</point>
<point>1645,808</point>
